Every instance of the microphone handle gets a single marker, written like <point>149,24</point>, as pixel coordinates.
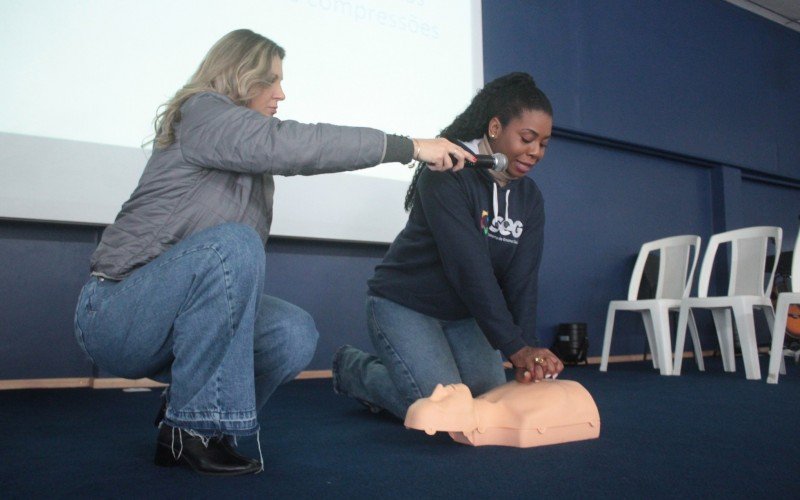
<point>482,161</point>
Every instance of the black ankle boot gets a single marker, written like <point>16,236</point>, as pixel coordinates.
<point>217,457</point>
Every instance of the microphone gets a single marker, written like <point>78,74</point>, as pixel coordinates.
<point>497,162</point>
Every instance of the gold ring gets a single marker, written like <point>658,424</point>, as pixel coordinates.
<point>539,361</point>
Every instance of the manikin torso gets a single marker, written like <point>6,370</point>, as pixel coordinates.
<point>514,414</point>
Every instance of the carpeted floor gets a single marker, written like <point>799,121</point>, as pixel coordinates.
<point>710,434</point>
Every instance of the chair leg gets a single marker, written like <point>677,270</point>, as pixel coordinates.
<point>778,334</point>
<point>607,338</point>
<point>698,349</point>
<point>647,319</point>
<point>680,338</point>
<point>745,325</point>
<point>724,327</point>
<point>769,315</point>
<point>663,345</point>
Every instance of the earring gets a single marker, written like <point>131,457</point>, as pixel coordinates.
<point>491,136</point>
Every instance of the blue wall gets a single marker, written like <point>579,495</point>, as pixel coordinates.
<point>671,117</point>
<point>702,78</point>
<point>45,265</point>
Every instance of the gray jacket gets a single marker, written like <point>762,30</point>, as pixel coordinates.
<point>220,170</point>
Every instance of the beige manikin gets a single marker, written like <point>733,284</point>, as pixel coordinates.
<point>514,414</point>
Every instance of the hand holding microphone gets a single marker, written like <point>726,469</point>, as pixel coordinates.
<point>497,162</point>
<point>441,154</point>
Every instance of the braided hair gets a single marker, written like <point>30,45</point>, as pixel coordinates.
<point>506,97</point>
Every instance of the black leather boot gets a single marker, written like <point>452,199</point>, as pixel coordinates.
<point>217,457</point>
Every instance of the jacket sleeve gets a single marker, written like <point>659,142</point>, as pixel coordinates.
<point>465,259</point>
<point>520,282</point>
<point>215,133</point>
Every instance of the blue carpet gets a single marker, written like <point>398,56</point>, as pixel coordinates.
<point>711,434</point>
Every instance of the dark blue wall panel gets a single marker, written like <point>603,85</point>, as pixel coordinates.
<point>601,205</point>
<point>43,269</point>
<point>329,280</point>
<point>45,265</point>
<point>766,204</point>
<point>702,78</point>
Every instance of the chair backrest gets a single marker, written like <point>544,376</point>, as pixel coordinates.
<point>748,258</point>
<point>674,270</point>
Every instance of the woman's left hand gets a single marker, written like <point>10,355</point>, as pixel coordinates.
<point>441,154</point>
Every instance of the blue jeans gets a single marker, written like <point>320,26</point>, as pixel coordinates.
<point>196,317</point>
<point>414,353</point>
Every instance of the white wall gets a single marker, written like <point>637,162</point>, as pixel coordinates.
<point>83,80</point>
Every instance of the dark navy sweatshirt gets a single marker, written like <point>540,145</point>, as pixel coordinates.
<point>470,249</point>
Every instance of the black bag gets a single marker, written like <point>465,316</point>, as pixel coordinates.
<point>571,343</point>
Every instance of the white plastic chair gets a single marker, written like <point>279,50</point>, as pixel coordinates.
<point>781,315</point>
<point>674,283</point>
<point>746,291</point>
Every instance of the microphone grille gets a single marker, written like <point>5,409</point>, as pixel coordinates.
<point>500,162</point>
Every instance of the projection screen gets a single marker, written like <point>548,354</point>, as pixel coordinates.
<point>83,81</point>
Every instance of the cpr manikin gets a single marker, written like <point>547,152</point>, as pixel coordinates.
<point>514,414</point>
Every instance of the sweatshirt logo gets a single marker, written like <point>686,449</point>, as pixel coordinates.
<point>485,222</point>
<point>503,227</point>
<point>506,227</point>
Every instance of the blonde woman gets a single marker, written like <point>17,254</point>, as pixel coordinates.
<point>176,287</point>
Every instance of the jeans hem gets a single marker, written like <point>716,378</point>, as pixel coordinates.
<point>233,424</point>
<point>336,381</point>
<point>213,429</point>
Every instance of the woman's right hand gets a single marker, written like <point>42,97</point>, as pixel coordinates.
<point>439,154</point>
<point>532,364</point>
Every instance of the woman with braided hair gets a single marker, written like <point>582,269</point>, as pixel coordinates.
<point>460,281</point>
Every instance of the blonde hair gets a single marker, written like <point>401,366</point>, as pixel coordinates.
<point>237,66</point>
